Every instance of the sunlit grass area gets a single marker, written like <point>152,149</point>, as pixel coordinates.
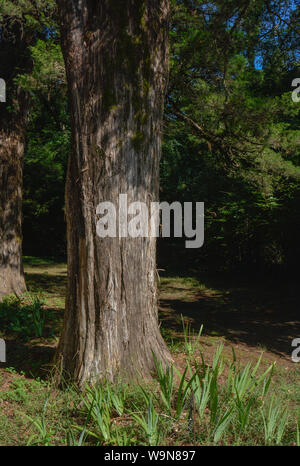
<point>221,390</point>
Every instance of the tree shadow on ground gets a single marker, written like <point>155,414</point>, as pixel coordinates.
<point>245,310</point>
<point>34,360</point>
<point>34,357</point>
<point>256,312</point>
<point>54,284</point>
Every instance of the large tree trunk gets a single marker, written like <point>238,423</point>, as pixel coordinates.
<point>116,61</point>
<point>11,166</point>
<point>14,59</point>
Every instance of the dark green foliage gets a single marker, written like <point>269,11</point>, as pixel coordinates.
<point>44,179</point>
<point>232,129</point>
<point>47,151</point>
<point>24,317</point>
<point>231,132</point>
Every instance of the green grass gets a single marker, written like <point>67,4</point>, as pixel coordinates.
<point>211,396</point>
<point>26,317</point>
<point>25,401</point>
<point>38,261</point>
<point>217,404</point>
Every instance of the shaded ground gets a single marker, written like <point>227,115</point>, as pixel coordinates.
<point>250,316</point>
<point>47,280</point>
<point>247,316</point>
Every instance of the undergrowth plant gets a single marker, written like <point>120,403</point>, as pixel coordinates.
<point>24,316</point>
<point>219,403</point>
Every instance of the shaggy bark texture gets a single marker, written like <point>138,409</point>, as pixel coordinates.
<point>14,59</point>
<point>116,55</point>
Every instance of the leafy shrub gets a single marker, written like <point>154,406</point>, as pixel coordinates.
<point>24,316</point>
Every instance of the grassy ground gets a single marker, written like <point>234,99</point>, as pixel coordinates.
<point>221,400</point>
